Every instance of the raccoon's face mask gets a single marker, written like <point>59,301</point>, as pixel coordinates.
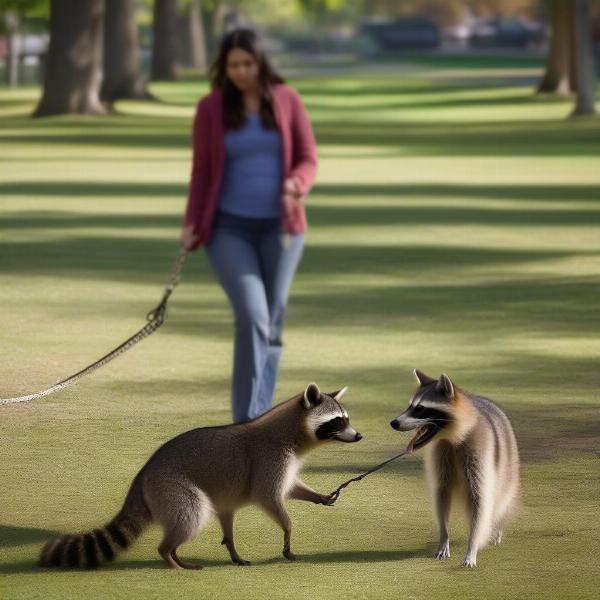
<point>429,411</point>
<point>327,419</point>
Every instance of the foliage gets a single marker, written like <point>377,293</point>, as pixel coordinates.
<point>29,8</point>
<point>24,14</point>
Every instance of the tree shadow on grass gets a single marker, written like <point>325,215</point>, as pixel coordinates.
<point>503,303</point>
<point>554,432</point>
<point>148,258</point>
<point>501,138</point>
<point>100,188</point>
<point>486,138</point>
<point>397,210</point>
<point>525,193</point>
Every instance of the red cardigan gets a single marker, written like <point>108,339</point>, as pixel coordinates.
<point>299,159</point>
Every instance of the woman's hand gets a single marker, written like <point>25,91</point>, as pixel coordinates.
<point>291,189</point>
<point>188,238</point>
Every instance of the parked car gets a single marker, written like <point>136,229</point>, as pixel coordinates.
<point>504,32</point>
<point>401,34</point>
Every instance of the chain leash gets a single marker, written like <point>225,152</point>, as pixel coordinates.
<point>336,494</point>
<point>156,317</point>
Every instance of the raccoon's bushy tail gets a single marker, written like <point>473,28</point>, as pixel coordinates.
<point>90,550</point>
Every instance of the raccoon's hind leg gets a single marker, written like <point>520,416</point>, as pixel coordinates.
<point>173,560</point>
<point>504,505</point>
<point>177,533</point>
<point>479,480</point>
<point>226,520</point>
<point>182,509</point>
<point>496,538</point>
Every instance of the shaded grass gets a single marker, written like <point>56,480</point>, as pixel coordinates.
<point>449,231</point>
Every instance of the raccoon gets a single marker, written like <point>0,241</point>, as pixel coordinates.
<point>472,450</point>
<point>216,470</point>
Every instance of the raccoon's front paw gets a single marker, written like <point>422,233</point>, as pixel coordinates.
<point>241,562</point>
<point>329,500</point>
<point>289,555</point>
<point>443,551</point>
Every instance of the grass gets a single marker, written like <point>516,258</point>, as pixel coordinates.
<point>455,227</point>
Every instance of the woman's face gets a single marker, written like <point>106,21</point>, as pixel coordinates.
<point>242,69</point>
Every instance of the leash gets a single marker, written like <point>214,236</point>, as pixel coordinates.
<point>156,317</point>
<point>336,494</point>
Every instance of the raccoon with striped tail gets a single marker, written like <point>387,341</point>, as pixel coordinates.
<point>216,470</point>
<point>471,454</point>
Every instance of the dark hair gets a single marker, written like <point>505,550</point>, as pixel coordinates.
<point>234,115</point>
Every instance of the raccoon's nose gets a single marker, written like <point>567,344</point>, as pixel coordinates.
<point>395,425</point>
<point>358,437</point>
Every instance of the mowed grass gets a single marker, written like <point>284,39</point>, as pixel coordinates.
<point>455,227</point>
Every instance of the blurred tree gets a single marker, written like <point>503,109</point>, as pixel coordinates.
<point>193,41</point>
<point>164,42</point>
<point>584,60</point>
<point>211,12</point>
<point>122,78</point>
<point>442,12</point>
<point>504,7</point>
<point>73,70</point>
<point>11,22</point>
<point>560,75</point>
<point>570,63</point>
<point>12,13</point>
<point>324,12</point>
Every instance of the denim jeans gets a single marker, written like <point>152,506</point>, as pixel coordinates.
<point>255,265</point>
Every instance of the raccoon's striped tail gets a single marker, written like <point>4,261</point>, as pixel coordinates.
<point>90,550</point>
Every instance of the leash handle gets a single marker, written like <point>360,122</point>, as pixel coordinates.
<point>336,493</point>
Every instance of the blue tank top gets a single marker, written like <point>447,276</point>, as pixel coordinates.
<point>253,171</point>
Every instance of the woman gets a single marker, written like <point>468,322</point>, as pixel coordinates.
<point>254,163</point>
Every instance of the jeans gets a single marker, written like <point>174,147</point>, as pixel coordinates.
<point>255,266</point>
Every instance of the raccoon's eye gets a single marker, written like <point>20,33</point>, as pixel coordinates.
<point>330,428</point>
<point>337,424</point>
<point>418,410</point>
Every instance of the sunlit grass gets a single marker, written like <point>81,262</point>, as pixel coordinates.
<point>455,226</point>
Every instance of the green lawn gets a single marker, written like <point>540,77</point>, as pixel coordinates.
<point>455,227</point>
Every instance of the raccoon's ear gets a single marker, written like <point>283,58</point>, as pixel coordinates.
<point>312,395</point>
<point>338,395</point>
<point>446,386</point>
<point>422,378</point>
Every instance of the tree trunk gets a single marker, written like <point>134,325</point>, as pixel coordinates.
<point>560,74</point>
<point>212,20</point>
<point>164,44</point>
<point>191,47</point>
<point>122,78</point>
<point>584,53</point>
<point>197,45</point>
<point>73,72</point>
<point>11,21</point>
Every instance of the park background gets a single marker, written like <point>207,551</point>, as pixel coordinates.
<point>454,226</point>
